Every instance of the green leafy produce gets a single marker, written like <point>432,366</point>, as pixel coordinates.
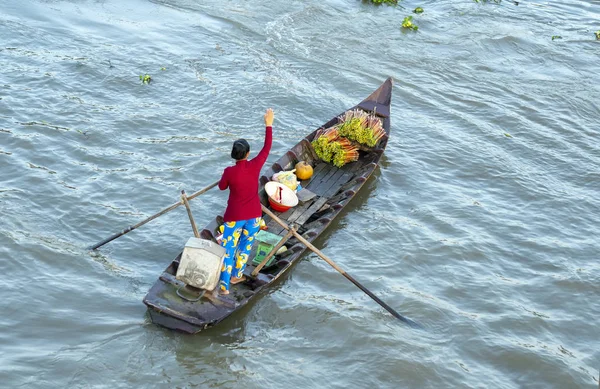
<point>418,10</point>
<point>556,37</point>
<point>339,145</point>
<point>345,152</point>
<point>321,147</point>
<point>332,148</point>
<point>408,23</point>
<point>324,143</point>
<point>145,78</point>
<point>359,126</point>
<point>352,128</point>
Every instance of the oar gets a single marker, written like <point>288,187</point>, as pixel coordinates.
<point>184,198</point>
<point>336,267</point>
<point>168,209</point>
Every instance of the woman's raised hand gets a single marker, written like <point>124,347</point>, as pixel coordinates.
<point>269,117</point>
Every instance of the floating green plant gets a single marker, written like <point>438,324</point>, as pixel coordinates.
<point>496,1</point>
<point>506,134</point>
<point>163,69</point>
<point>418,10</point>
<point>388,2</point>
<point>145,78</point>
<point>597,33</point>
<point>556,37</point>
<point>407,23</point>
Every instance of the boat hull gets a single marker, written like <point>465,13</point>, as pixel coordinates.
<point>334,189</point>
<point>174,323</point>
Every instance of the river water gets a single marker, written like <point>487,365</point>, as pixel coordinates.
<point>481,223</point>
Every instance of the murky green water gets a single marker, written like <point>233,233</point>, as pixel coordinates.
<point>481,223</point>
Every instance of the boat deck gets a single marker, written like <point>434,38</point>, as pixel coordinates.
<point>325,182</point>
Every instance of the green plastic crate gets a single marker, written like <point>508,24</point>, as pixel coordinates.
<point>266,241</point>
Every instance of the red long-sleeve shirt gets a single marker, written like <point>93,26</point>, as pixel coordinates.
<point>242,181</point>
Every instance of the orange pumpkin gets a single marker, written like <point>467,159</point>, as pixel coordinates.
<point>303,170</point>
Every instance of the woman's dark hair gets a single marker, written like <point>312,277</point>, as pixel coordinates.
<point>240,149</point>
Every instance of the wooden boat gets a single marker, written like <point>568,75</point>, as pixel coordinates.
<point>334,188</point>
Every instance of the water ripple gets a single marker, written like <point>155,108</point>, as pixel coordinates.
<point>480,223</point>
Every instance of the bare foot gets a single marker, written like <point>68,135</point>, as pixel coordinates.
<point>235,280</point>
<point>224,292</point>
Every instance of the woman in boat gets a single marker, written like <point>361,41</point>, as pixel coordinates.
<point>243,214</point>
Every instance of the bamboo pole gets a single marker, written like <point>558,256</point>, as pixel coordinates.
<point>189,212</point>
<point>168,209</point>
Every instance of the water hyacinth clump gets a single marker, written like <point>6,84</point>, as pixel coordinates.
<point>388,2</point>
<point>597,33</point>
<point>361,127</point>
<point>408,23</point>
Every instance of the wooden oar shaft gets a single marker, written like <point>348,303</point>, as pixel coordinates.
<point>189,212</point>
<point>336,267</point>
<point>201,191</point>
<point>168,209</point>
